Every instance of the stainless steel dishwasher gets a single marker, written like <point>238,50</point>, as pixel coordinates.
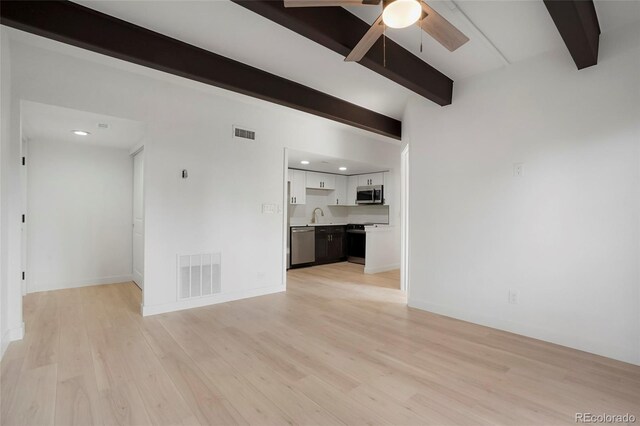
<point>303,245</point>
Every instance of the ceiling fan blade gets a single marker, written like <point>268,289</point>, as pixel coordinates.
<point>441,29</point>
<point>322,3</point>
<point>368,40</point>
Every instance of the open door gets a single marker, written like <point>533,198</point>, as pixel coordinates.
<point>138,219</point>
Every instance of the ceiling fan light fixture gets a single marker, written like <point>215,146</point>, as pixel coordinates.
<point>401,13</point>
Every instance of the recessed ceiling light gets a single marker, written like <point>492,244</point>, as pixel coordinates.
<point>342,169</point>
<point>304,162</point>
<point>80,133</point>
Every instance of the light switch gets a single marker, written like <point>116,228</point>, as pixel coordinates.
<point>268,208</point>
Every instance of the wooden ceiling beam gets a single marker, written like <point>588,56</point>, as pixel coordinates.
<point>578,25</point>
<point>86,28</point>
<point>339,30</point>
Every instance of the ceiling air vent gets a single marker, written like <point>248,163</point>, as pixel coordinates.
<point>239,132</point>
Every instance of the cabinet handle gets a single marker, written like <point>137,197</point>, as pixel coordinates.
<point>294,199</point>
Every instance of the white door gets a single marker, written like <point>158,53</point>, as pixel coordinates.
<point>138,219</point>
<point>352,190</point>
<point>339,196</point>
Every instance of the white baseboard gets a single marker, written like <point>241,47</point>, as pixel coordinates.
<point>383,268</point>
<point>4,343</point>
<point>210,300</point>
<point>115,279</point>
<point>10,335</point>
<point>553,336</point>
<point>16,333</point>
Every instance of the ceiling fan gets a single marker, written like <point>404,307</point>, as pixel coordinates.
<point>395,14</point>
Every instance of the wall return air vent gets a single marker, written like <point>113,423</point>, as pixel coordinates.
<point>243,133</point>
<point>198,275</point>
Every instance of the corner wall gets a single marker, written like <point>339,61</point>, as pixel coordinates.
<point>565,236</point>
<point>5,107</point>
<point>11,325</point>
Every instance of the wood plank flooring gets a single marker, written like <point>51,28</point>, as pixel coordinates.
<point>339,347</point>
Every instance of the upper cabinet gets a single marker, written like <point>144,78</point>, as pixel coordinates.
<point>371,179</point>
<point>341,190</point>
<point>320,181</point>
<point>297,187</point>
<point>339,196</point>
<point>352,190</point>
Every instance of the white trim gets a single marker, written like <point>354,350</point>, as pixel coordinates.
<point>115,279</point>
<point>136,149</point>
<point>553,336</point>
<point>4,343</point>
<point>404,220</point>
<point>16,333</point>
<point>378,269</point>
<point>285,217</point>
<point>10,335</point>
<point>210,300</point>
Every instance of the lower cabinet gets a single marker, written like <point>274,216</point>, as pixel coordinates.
<point>330,244</point>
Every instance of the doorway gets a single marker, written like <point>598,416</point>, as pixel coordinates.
<point>329,229</point>
<point>78,194</point>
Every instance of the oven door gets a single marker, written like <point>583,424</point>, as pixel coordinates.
<point>356,245</point>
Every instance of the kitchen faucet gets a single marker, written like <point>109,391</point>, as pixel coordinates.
<point>314,217</point>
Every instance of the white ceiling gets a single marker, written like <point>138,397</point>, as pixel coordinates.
<point>500,31</point>
<point>322,163</point>
<point>54,123</point>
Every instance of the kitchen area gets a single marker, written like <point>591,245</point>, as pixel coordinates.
<point>339,211</point>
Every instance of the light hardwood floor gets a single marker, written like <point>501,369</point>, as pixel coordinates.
<point>338,347</point>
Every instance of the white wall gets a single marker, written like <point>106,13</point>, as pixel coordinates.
<point>5,106</point>
<point>79,209</point>
<point>566,235</point>
<point>11,325</point>
<point>218,208</point>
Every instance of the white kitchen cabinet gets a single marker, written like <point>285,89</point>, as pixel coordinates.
<point>352,190</point>
<point>371,179</point>
<point>320,181</point>
<point>338,197</point>
<point>297,187</point>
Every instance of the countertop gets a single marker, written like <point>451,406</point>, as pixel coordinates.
<point>318,224</point>
<point>368,226</point>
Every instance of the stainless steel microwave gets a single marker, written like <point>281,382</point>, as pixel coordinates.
<point>373,194</point>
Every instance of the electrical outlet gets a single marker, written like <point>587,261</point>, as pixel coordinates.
<point>513,297</point>
<point>518,169</point>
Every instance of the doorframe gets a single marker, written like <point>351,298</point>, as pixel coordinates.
<point>135,151</point>
<point>404,221</point>
<point>24,149</point>
<point>285,215</point>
